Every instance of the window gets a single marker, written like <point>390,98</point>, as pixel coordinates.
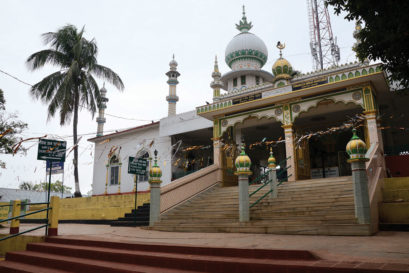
<point>144,178</point>
<point>243,80</point>
<point>114,170</point>
<point>234,82</point>
<point>257,80</point>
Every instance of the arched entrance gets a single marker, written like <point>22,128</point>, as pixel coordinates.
<point>258,135</point>
<point>322,153</point>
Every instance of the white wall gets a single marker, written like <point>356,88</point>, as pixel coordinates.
<point>182,123</point>
<point>130,144</point>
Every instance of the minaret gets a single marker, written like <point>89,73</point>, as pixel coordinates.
<point>173,75</point>
<point>216,84</point>
<point>101,106</point>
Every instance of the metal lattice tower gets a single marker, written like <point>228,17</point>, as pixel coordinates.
<point>324,48</point>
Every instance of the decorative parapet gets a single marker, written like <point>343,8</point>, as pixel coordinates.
<point>343,72</point>
<point>213,106</point>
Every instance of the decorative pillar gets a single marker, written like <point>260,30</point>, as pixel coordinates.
<point>356,150</point>
<point>15,223</point>
<point>106,180</point>
<point>272,176</point>
<point>119,177</point>
<point>102,106</point>
<point>370,117</point>
<point>155,174</point>
<point>289,151</point>
<point>217,144</point>
<point>173,75</point>
<point>53,217</point>
<point>243,164</point>
<point>216,84</point>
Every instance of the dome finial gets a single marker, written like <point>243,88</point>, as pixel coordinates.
<point>280,46</point>
<point>243,25</point>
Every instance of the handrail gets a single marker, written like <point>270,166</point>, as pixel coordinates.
<point>26,231</point>
<point>260,177</point>
<point>258,200</point>
<point>27,204</point>
<point>267,172</point>
<point>270,191</point>
<point>259,188</point>
<point>9,205</point>
<point>23,215</point>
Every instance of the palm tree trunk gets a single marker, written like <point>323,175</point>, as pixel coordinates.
<point>77,192</point>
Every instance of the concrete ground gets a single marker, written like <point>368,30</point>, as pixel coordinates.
<point>392,247</point>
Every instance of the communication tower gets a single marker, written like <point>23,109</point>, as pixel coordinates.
<point>324,48</point>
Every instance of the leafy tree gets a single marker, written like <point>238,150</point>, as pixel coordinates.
<point>57,186</point>
<point>27,186</point>
<point>385,35</point>
<point>10,128</point>
<point>73,85</point>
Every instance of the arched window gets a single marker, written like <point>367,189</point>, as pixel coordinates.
<point>144,178</point>
<point>114,170</point>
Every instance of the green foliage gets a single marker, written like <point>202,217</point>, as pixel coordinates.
<point>57,186</point>
<point>73,85</point>
<point>10,128</point>
<point>385,33</point>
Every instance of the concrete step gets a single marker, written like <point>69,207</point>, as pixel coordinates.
<point>61,255</point>
<point>338,229</point>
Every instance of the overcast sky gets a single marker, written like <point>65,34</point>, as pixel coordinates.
<point>137,39</point>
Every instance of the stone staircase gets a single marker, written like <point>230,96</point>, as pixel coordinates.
<point>62,255</point>
<point>137,218</point>
<point>314,207</point>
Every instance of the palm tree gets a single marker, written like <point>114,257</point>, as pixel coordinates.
<point>73,86</point>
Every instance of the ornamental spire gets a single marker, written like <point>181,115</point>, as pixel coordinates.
<point>216,66</point>
<point>243,25</point>
<point>280,46</point>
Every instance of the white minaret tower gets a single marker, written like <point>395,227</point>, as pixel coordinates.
<point>101,106</point>
<point>173,75</point>
<point>216,84</point>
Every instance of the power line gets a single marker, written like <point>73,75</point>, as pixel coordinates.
<point>115,116</point>
<point>14,77</point>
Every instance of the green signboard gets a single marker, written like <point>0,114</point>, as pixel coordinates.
<point>137,165</point>
<point>52,150</point>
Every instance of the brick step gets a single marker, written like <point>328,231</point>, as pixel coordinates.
<point>77,264</point>
<point>15,267</point>
<point>62,255</point>
<point>189,249</point>
<point>175,261</point>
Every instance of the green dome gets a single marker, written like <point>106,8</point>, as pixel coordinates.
<point>282,69</point>
<point>243,163</point>
<point>271,160</point>
<point>155,173</point>
<point>356,148</point>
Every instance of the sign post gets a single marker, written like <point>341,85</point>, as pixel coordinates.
<point>52,151</point>
<point>137,166</point>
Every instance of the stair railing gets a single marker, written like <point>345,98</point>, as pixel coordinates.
<point>268,181</point>
<point>24,215</point>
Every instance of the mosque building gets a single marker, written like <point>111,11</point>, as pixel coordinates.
<point>283,110</point>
